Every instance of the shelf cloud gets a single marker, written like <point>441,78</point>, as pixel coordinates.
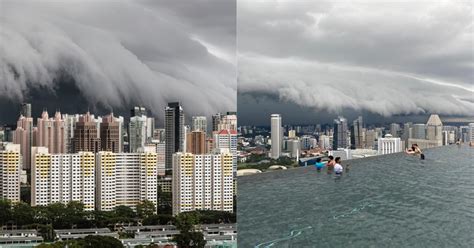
<point>122,52</point>
<point>387,58</point>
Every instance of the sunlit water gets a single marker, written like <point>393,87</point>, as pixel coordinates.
<point>387,201</point>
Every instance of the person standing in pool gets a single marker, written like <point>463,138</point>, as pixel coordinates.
<point>330,164</point>
<point>418,151</point>
<point>338,169</point>
<point>319,165</point>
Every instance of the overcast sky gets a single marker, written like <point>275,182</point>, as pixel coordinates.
<point>111,55</point>
<point>379,58</point>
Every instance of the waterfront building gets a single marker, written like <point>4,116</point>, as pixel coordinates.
<point>202,182</point>
<point>340,133</point>
<point>276,136</point>
<point>174,132</point>
<point>389,144</point>
<point>10,170</point>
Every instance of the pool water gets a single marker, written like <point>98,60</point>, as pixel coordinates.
<point>394,200</point>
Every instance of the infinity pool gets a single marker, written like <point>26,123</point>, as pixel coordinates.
<point>387,201</point>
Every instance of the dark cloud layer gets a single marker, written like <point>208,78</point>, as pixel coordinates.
<point>120,53</point>
<point>386,58</point>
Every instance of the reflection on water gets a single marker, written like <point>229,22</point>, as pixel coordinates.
<point>394,201</point>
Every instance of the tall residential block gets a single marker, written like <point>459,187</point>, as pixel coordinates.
<point>137,133</point>
<point>111,134</point>
<point>86,135</point>
<point>51,133</point>
<point>62,178</point>
<point>23,135</point>
<point>199,123</point>
<point>125,179</point>
<point>276,136</point>
<point>202,182</point>
<point>10,168</point>
<point>196,142</point>
<point>174,132</point>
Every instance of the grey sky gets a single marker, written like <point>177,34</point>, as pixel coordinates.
<point>121,53</point>
<point>386,58</point>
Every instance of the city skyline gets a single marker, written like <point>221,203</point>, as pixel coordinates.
<point>380,60</point>
<point>104,57</point>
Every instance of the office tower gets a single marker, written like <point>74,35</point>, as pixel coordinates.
<point>291,134</point>
<point>23,135</point>
<point>86,137</point>
<point>125,179</point>
<point>340,133</point>
<point>419,131</point>
<point>137,132</point>
<point>110,134</point>
<point>434,128</point>
<point>293,147</point>
<point>138,111</point>
<point>51,133</point>
<point>26,110</point>
<point>389,144</point>
<point>356,134</point>
<point>395,129</point>
<point>62,178</point>
<point>276,136</point>
<point>159,134</point>
<point>216,121</point>
<point>150,129</point>
<point>202,182</point>
<point>324,142</point>
<point>225,141</point>
<point>174,131</point>
<point>69,126</point>
<point>370,137</point>
<point>196,142</point>
<point>10,168</point>
<point>199,123</point>
<point>471,132</point>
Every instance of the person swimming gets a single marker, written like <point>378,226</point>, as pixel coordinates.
<point>418,151</point>
<point>338,169</point>
<point>330,164</point>
<point>319,165</point>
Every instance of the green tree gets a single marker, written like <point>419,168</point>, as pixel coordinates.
<point>23,214</point>
<point>188,237</point>
<point>93,241</point>
<point>145,209</point>
<point>158,219</point>
<point>5,211</point>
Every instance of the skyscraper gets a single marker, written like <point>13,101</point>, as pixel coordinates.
<point>51,133</point>
<point>137,132</point>
<point>419,131</point>
<point>23,135</point>
<point>26,110</point>
<point>196,142</point>
<point>471,132</point>
<point>10,167</point>
<point>434,128</point>
<point>174,129</point>
<point>356,134</point>
<point>86,137</point>
<point>226,121</point>
<point>199,123</point>
<point>110,134</point>
<point>340,133</point>
<point>395,129</point>
<point>276,136</point>
<point>137,111</point>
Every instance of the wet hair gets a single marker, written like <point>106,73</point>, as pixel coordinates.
<point>318,160</point>
<point>331,157</point>
<point>338,159</point>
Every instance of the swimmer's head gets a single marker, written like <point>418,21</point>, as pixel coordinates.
<point>318,160</point>
<point>338,159</point>
<point>331,157</point>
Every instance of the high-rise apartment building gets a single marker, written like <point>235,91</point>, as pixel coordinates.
<point>199,123</point>
<point>174,129</point>
<point>226,121</point>
<point>196,142</point>
<point>202,182</point>
<point>340,133</point>
<point>276,136</point>
<point>226,141</point>
<point>51,133</point>
<point>138,111</point>
<point>86,136</point>
<point>125,179</point>
<point>137,133</point>
<point>357,138</point>
<point>62,178</point>
<point>111,134</point>
<point>389,144</point>
<point>23,135</point>
<point>10,168</point>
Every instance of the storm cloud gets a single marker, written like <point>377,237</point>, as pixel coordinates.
<point>119,53</point>
<point>386,58</point>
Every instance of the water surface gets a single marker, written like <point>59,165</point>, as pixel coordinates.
<point>387,201</point>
